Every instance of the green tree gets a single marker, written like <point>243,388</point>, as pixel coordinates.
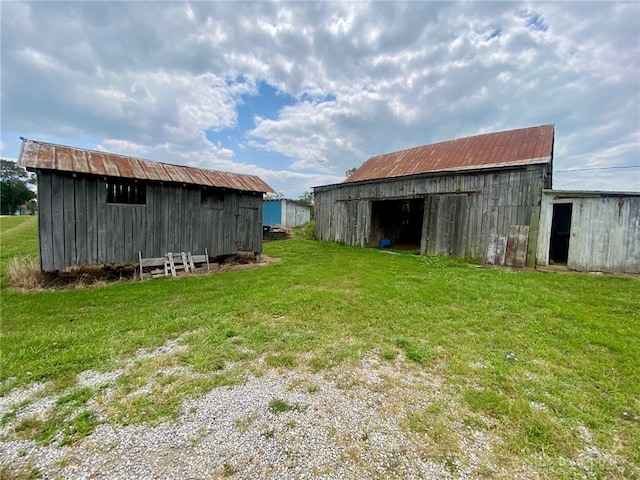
<point>306,198</point>
<point>14,190</point>
<point>274,196</point>
<point>350,172</point>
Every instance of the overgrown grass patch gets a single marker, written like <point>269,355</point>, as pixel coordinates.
<point>576,338</point>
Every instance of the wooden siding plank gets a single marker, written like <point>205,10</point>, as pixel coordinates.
<point>128,213</point>
<point>147,246</point>
<point>101,213</point>
<point>45,221</point>
<point>69,219</point>
<point>92,220</point>
<point>57,206</point>
<point>81,234</point>
<point>532,243</point>
<point>166,228</point>
<point>631,257</point>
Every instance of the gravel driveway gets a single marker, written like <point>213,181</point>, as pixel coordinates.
<point>344,422</point>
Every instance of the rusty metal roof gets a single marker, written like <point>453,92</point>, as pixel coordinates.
<point>525,146</point>
<point>48,156</point>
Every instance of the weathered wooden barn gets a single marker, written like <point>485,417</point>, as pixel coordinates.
<point>285,213</point>
<point>477,197</point>
<point>590,231</point>
<point>96,207</point>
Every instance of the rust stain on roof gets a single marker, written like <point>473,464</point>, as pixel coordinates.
<point>47,156</point>
<point>525,146</point>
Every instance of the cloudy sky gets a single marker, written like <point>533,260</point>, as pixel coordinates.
<point>298,93</point>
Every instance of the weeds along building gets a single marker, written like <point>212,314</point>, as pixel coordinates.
<point>96,207</point>
<point>477,197</point>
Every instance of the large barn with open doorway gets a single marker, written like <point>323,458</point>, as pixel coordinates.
<point>477,197</point>
<point>98,207</point>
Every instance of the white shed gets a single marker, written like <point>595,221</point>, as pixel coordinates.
<point>590,231</point>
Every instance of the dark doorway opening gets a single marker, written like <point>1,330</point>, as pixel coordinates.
<point>398,220</point>
<point>560,233</point>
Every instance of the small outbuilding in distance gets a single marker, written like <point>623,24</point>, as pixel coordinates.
<point>477,197</point>
<point>97,207</point>
<point>285,213</point>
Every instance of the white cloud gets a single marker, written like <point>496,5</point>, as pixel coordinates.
<point>364,78</point>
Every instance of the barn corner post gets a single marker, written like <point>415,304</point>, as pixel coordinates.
<point>101,208</point>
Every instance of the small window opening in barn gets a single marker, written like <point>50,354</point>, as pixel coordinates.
<point>398,220</point>
<point>560,233</point>
<point>212,199</point>
<point>126,191</point>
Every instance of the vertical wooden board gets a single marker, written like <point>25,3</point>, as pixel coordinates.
<point>160,234</point>
<point>137,232</point>
<point>69,215</point>
<point>443,226</point>
<point>364,222</point>
<point>492,246</point>
<point>228,226</point>
<point>81,200</point>
<point>192,243</point>
<point>352,222</point>
<point>424,239</point>
<point>532,243</point>
<point>223,223</point>
<point>461,231</point>
<point>433,226</point>
<point>111,230</point>
<point>338,219</point>
<point>102,221</point>
<point>221,218</point>
<point>45,222</point>
<point>116,227</point>
<point>510,179</point>
<point>176,219</point>
<point>92,221</point>
<point>632,240</point>
<point>128,239</point>
<point>580,234</point>
<point>57,207</point>
<point>166,224</point>
<point>147,242</point>
<point>452,218</point>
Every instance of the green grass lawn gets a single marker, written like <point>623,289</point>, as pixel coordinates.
<point>576,336</point>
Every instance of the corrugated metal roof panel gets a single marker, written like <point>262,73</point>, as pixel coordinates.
<point>47,156</point>
<point>511,148</point>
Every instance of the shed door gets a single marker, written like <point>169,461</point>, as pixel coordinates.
<point>246,225</point>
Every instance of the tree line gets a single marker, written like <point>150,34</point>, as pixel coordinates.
<point>14,188</point>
